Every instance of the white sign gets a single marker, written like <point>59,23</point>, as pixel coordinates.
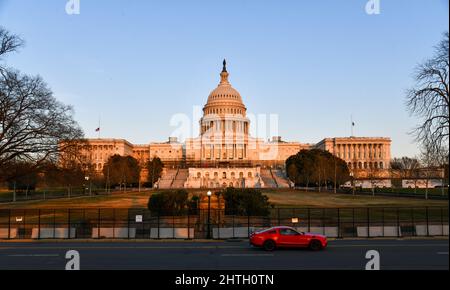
<point>19,219</point>
<point>294,220</point>
<point>139,218</point>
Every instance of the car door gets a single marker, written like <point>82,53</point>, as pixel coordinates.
<point>288,238</point>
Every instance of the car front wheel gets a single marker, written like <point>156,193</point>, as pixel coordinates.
<point>315,245</point>
<point>269,245</point>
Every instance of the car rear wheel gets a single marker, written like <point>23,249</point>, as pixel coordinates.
<point>269,245</point>
<point>315,245</point>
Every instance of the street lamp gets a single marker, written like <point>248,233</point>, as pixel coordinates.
<point>87,179</point>
<point>353,185</point>
<point>208,235</point>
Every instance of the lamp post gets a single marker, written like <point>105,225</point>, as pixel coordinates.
<point>87,179</point>
<point>353,185</point>
<point>335,174</point>
<point>208,235</point>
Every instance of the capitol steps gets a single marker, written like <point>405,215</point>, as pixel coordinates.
<point>180,178</point>
<point>167,178</point>
<point>280,178</point>
<point>266,176</point>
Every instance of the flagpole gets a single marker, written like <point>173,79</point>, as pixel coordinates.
<point>351,124</point>
<point>99,128</point>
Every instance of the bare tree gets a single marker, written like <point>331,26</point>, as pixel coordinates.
<point>429,98</point>
<point>32,121</point>
<point>405,168</point>
<point>8,42</point>
<point>430,160</point>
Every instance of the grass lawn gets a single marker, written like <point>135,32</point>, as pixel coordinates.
<point>280,198</point>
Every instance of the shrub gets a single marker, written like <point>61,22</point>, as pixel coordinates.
<point>246,201</point>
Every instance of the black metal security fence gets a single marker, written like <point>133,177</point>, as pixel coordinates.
<point>140,223</point>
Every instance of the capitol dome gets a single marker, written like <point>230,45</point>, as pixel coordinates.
<point>224,99</point>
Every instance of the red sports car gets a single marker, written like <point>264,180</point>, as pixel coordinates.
<point>287,237</point>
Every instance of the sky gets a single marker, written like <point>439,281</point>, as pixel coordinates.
<point>133,65</point>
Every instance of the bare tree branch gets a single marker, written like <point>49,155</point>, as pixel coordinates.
<point>429,99</point>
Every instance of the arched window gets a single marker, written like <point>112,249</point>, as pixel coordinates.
<point>249,175</point>
<point>224,175</point>
<point>199,175</point>
<point>381,165</point>
<point>241,174</point>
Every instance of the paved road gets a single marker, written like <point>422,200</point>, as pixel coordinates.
<point>182,255</point>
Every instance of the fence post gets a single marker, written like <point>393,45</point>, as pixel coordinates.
<point>68,224</point>
<point>84,223</point>
<point>427,219</point>
<point>234,235</point>
<point>24,222</point>
<point>442,221</point>
<point>173,226</point>
<point>114,222</point>
<point>9,225</point>
<point>98,224</point>
<point>413,222</point>
<point>128,223</point>
<point>143,223</point>
<point>339,223</point>
<point>279,221</point>
<point>189,226</point>
<point>323,221</point>
<point>54,223</point>
<point>368,222</point>
<point>398,222</point>
<point>309,219</point>
<point>39,225</point>
<point>353,222</point>
<point>382,219</point>
<point>158,224</point>
<point>248,225</point>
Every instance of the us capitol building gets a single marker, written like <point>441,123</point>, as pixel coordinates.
<point>224,154</point>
